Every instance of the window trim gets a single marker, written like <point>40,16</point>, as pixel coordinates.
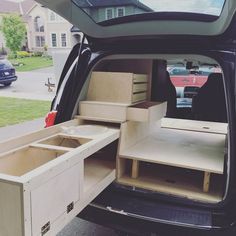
<point>40,36</point>
<point>51,33</point>
<point>120,8</point>
<point>49,16</point>
<point>37,29</point>
<point>112,10</point>
<point>66,40</point>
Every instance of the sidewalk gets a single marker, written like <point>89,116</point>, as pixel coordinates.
<point>13,131</point>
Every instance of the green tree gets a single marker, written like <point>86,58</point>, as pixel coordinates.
<point>14,31</point>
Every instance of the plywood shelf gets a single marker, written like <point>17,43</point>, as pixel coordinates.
<point>192,150</point>
<point>183,189</point>
<point>95,170</point>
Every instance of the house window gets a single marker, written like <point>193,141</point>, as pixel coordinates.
<point>109,13</point>
<point>54,39</point>
<point>39,41</point>
<point>52,16</point>
<point>120,12</point>
<point>38,24</point>
<point>63,40</point>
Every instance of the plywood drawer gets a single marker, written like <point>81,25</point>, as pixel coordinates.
<point>104,110</point>
<point>140,87</point>
<point>117,87</point>
<point>146,111</point>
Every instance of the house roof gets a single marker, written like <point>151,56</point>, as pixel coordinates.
<point>21,8</point>
<point>74,29</point>
<point>110,3</point>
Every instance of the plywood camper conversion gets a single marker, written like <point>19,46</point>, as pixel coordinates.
<point>48,177</point>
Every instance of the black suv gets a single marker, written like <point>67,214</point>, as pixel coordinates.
<point>130,36</point>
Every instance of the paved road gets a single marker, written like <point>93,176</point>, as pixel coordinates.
<point>31,85</point>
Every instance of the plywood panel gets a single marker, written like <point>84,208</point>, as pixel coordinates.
<point>194,125</point>
<point>111,87</point>
<point>95,171</point>
<point>52,198</point>
<point>11,209</point>
<point>24,160</point>
<point>131,133</point>
<point>34,136</point>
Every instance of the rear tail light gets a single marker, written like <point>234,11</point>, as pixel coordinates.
<point>50,119</point>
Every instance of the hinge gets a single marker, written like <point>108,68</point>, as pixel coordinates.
<point>70,207</point>
<point>45,228</point>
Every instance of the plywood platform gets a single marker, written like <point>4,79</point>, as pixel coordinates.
<point>186,149</point>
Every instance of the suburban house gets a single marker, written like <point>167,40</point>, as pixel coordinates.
<point>48,30</point>
<point>101,10</point>
<point>11,7</point>
<point>45,29</point>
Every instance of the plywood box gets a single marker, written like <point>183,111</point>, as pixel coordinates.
<point>117,87</point>
<point>146,111</point>
<point>115,112</point>
<point>48,177</point>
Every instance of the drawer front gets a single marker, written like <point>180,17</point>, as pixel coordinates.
<point>140,78</point>
<point>139,87</point>
<point>139,97</point>
<point>151,114</point>
<point>52,199</point>
<point>105,111</point>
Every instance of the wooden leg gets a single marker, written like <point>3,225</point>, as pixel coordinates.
<point>206,182</point>
<point>135,169</point>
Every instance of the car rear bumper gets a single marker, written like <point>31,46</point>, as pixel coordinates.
<point>6,80</point>
<point>140,226</point>
<point>142,216</point>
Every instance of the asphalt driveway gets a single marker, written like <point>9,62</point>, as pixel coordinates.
<point>31,85</point>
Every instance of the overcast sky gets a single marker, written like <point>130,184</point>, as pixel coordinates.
<point>201,6</point>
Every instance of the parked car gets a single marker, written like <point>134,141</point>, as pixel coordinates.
<point>159,201</point>
<point>7,72</point>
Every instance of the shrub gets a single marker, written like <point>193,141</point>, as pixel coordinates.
<point>11,55</point>
<point>22,54</point>
<point>37,54</point>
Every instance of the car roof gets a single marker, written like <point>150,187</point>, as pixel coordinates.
<point>145,24</point>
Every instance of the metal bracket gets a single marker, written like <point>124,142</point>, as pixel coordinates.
<point>70,207</point>
<point>45,228</point>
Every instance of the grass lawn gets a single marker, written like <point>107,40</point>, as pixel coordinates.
<point>32,63</point>
<point>14,110</point>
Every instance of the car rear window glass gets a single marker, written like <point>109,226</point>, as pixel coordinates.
<point>104,10</point>
<point>5,64</point>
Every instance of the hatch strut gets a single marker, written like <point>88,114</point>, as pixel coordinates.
<point>79,54</point>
